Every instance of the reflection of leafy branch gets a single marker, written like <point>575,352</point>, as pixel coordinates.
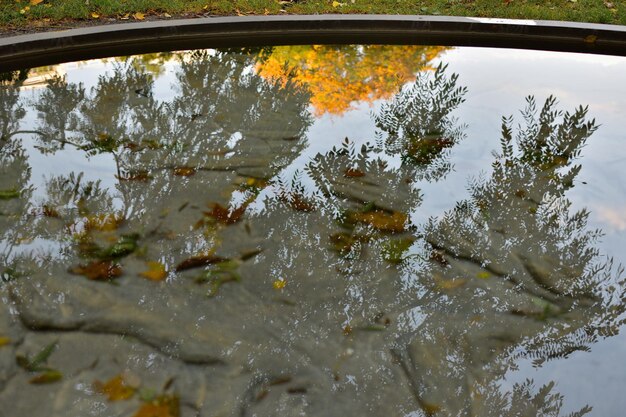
<point>514,273</point>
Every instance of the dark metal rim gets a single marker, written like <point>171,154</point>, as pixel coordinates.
<point>27,51</point>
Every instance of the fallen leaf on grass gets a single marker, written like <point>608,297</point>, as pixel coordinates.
<point>35,2</point>
<point>98,270</point>
<point>115,389</point>
<point>156,271</point>
<point>95,15</point>
<point>139,16</point>
<point>337,4</point>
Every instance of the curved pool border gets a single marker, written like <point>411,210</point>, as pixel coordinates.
<point>26,51</point>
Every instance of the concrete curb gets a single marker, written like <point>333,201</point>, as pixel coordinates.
<point>48,48</point>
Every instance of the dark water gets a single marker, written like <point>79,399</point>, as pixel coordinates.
<point>314,231</point>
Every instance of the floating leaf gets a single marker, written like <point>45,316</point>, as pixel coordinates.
<point>394,249</point>
<point>353,173</point>
<point>380,220</point>
<point>184,171</point>
<point>48,376</point>
<point>279,284</point>
<point>115,389</point>
<point>225,216</point>
<point>9,194</point>
<point>591,39</point>
<point>98,270</point>
<point>4,341</point>
<point>162,406</point>
<point>39,359</point>
<point>156,271</point>
<point>125,245</point>
<point>198,261</point>
<point>483,275</point>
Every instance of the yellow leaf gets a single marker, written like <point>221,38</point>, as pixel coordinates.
<point>22,11</point>
<point>115,389</point>
<point>4,341</point>
<point>95,15</point>
<point>337,4</point>
<point>167,15</point>
<point>139,16</point>
<point>483,275</point>
<point>35,2</point>
<point>380,220</point>
<point>156,271</point>
<point>103,222</point>
<point>46,377</point>
<point>279,284</point>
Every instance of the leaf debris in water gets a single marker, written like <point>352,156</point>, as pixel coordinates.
<point>198,261</point>
<point>9,194</point>
<point>116,389</point>
<point>4,341</point>
<point>98,270</point>
<point>48,376</point>
<point>156,271</point>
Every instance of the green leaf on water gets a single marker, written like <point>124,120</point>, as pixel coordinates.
<point>48,376</point>
<point>34,364</point>
<point>9,194</point>
<point>393,250</point>
<point>125,245</point>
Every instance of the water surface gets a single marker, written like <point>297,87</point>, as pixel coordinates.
<point>315,231</point>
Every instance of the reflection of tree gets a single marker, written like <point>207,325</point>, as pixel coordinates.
<point>338,76</point>
<point>14,171</point>
<point>511,273</point>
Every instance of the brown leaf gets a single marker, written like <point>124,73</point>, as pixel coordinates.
<point>115,389</point>
<point>35,2</point>
<point>98,270</point>
<point>353,173</point>
<point>198,261</point>
<point>380,220</point>
<point>224,215</point>
<point>184,171</point>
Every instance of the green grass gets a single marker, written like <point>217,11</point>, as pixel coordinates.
<point>16,14</point>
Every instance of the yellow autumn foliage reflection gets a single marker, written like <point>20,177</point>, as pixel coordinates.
<point>338,76</point>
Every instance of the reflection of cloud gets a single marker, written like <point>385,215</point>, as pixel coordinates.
<point>612,216</point>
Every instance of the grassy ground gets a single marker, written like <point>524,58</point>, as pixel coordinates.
<point>17,15</point>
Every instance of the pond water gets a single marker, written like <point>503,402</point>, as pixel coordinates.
<point>314,231</point>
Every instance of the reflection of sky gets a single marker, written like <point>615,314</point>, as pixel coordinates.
<point>498,82</point>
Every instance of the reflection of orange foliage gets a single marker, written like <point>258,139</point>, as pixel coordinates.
<point>337,76</point>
